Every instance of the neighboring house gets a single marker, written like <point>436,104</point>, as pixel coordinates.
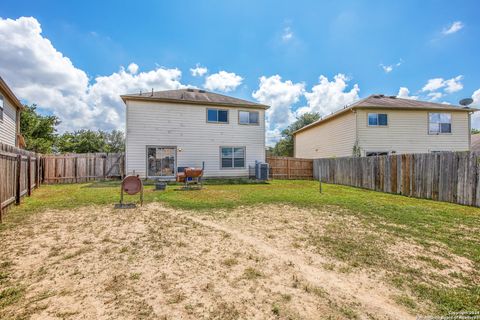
<point>475,142</point>
<point>10,109</point>
<point>185,128</point>
<point>379,125</point>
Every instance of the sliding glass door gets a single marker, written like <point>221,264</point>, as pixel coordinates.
<point>161,161</point>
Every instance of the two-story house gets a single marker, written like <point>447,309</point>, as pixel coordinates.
<point>380,125</point>
<point>187,128</point>
<point>10,109</point>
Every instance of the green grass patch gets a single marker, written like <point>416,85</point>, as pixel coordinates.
<point>428,223</point>
<point>9,296</point>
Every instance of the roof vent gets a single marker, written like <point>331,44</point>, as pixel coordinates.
<point>393,97</point>
<point>190,90</point>
<point>201,91</point>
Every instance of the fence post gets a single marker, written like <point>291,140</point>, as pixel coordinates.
<point>17,182</point>
<point>37,171</point>
<point>75,164</point>
<point>29,176</point>
<point>288,168</point>
<point>105,167</point>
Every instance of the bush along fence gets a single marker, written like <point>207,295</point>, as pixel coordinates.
<point>83,167</point>
<point>20,173</point>
<point>290,168</point>
<point>446,176</point>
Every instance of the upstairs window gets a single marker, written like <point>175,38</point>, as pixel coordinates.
<point>377,119</point>
<point>439,123</point>
<point>232,157</point>
<point>1,108</point>
<point>248,117</point>
<point>217,116</point>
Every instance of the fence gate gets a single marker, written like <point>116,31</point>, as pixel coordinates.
<point>290,168</point>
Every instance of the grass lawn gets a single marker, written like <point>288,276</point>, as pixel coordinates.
<point>437,272</point>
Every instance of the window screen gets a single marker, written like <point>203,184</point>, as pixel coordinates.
<point>439,123</point>
<point>377,119</point>
<point>217,115</point>
<point>232,157</point>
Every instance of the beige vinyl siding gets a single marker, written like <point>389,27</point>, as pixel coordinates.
<point>8,126</point>
<point>333,138</point>
<point>407,132</point>
<point>185,126</point>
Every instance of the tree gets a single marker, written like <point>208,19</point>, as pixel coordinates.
<point>115,141</point>
<point>284,147</point>
<point>81,141</point>
<point>475,131</point>
<point>39,131</point>
<point>84,141</point>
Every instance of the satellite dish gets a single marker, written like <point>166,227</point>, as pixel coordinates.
<point>465,102</point>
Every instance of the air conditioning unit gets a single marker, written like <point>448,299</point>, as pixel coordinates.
<point>261,171</point>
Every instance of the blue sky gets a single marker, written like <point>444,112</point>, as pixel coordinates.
<point>414,41</point>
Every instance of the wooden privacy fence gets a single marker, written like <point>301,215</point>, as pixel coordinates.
<point>20,172</point>
<point>82,167</point>
<point>446,176</point>
<point>290,168</point>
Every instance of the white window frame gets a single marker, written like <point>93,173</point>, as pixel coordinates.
<point>439,124</point>
<point>378,123</point>
<point>249,123</point>
<point>233,157</point>
<point>217,110</point>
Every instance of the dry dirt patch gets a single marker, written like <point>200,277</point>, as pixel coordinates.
<point>156,262</point>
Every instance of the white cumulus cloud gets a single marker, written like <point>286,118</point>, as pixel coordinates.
<point>404,93</point>
<point>453,28</point>
<point>454,84</point>
<point>132,68</point>
<point>287,34</point>
<point>476,104</point>
<point>198,71</point>
<point>435,86</point>
<point>39,73</point>
<point>223,81</point>
<point>280,96</point>
<point>329,96</point>
<point>389,68</point>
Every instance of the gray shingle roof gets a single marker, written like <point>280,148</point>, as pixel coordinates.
<point>389,102</point>
<point>383,101</point>
<point>194,96</point>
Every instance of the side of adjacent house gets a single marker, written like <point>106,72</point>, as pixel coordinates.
<point>188,128</point>
<point>10,109</point>
<point>386,125</point>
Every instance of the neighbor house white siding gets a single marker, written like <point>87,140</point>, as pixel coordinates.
<point>8,126</point>
<point>333,138</point>
<point>407,132</point>
<point>185,127</point>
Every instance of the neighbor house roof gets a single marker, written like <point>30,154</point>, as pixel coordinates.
<point>193,96</point>
<point>9,93</point>
<point>389,102</point>
<point>475,142</point>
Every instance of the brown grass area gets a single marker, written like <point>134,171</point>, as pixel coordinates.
<point>161,263</point>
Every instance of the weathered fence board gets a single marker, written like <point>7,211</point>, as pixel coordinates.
<point>20,172</point>
<point>75,168</point>
<point>290,168</point>
<point>446,176</point>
